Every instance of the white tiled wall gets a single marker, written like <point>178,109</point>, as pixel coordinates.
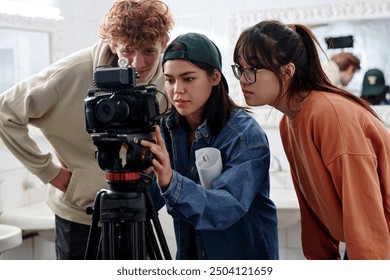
<point>21,188</point>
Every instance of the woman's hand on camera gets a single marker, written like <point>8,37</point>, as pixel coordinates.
<point>161,164</point>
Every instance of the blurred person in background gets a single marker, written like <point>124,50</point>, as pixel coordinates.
<point>341,68</point>
<point>374,88</point>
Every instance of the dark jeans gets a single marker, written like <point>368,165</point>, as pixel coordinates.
<point>71,239</point>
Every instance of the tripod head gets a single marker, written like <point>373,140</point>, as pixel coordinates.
<point>138,158</point>
<point>123,173</point>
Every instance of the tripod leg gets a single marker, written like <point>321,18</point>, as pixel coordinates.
<point>152,245</point>
<point>108,241</point>
<point>131,241</point>
<point>151,210</point>
<point>138,241</point>
<point>93,228</point>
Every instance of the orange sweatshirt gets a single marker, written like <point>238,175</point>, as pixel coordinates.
<point>339,156</point>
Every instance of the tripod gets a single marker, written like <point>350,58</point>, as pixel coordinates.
<point>129,220</point>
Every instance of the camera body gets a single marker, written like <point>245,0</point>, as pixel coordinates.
<point>118,112</point>
<point>118,106</point>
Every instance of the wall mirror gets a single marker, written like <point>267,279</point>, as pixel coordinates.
<point>367,21</point>
<point>370,41</point>
<point>27,45</point>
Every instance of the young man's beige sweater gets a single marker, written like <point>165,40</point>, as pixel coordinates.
<point>53,101</point>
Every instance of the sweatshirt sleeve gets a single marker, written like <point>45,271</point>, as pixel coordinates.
<point>317,242</point>
<point>27,103</point>
<point>366,231</point>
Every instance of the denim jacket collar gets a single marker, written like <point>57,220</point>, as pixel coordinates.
<point>203,131</point>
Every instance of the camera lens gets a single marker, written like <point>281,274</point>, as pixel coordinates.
<point>112,110</point>
<point>105,110</point>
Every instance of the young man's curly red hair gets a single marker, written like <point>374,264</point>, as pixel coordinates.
<point>136,23</point>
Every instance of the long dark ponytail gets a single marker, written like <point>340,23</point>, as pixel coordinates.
<point>317,78</point>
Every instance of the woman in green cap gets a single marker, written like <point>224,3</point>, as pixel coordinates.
<point>233,218</point>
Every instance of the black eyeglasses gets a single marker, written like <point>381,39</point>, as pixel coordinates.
<point>249,73</point>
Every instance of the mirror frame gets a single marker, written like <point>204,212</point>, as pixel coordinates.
<point>53,27</point>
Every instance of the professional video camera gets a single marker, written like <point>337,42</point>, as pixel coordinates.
<point>118,106</point>
<point>119,112</point>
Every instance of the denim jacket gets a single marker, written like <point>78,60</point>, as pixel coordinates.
<point>235,219</point>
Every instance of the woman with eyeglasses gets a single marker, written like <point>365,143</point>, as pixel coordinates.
<point>338,149</point>
<point>233,218</point>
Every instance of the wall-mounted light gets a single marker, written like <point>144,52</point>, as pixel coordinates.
<point>39,9</point>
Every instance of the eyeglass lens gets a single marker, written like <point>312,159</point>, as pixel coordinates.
<point>249,73</point>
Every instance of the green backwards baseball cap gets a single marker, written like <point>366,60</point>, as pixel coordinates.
<point>198,48</point>
<point>373,82</point>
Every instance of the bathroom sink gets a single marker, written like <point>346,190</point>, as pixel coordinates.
<point>36,216</point>
<point>285,199</point>
<point>287,207</point>
<point>10,237</point>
